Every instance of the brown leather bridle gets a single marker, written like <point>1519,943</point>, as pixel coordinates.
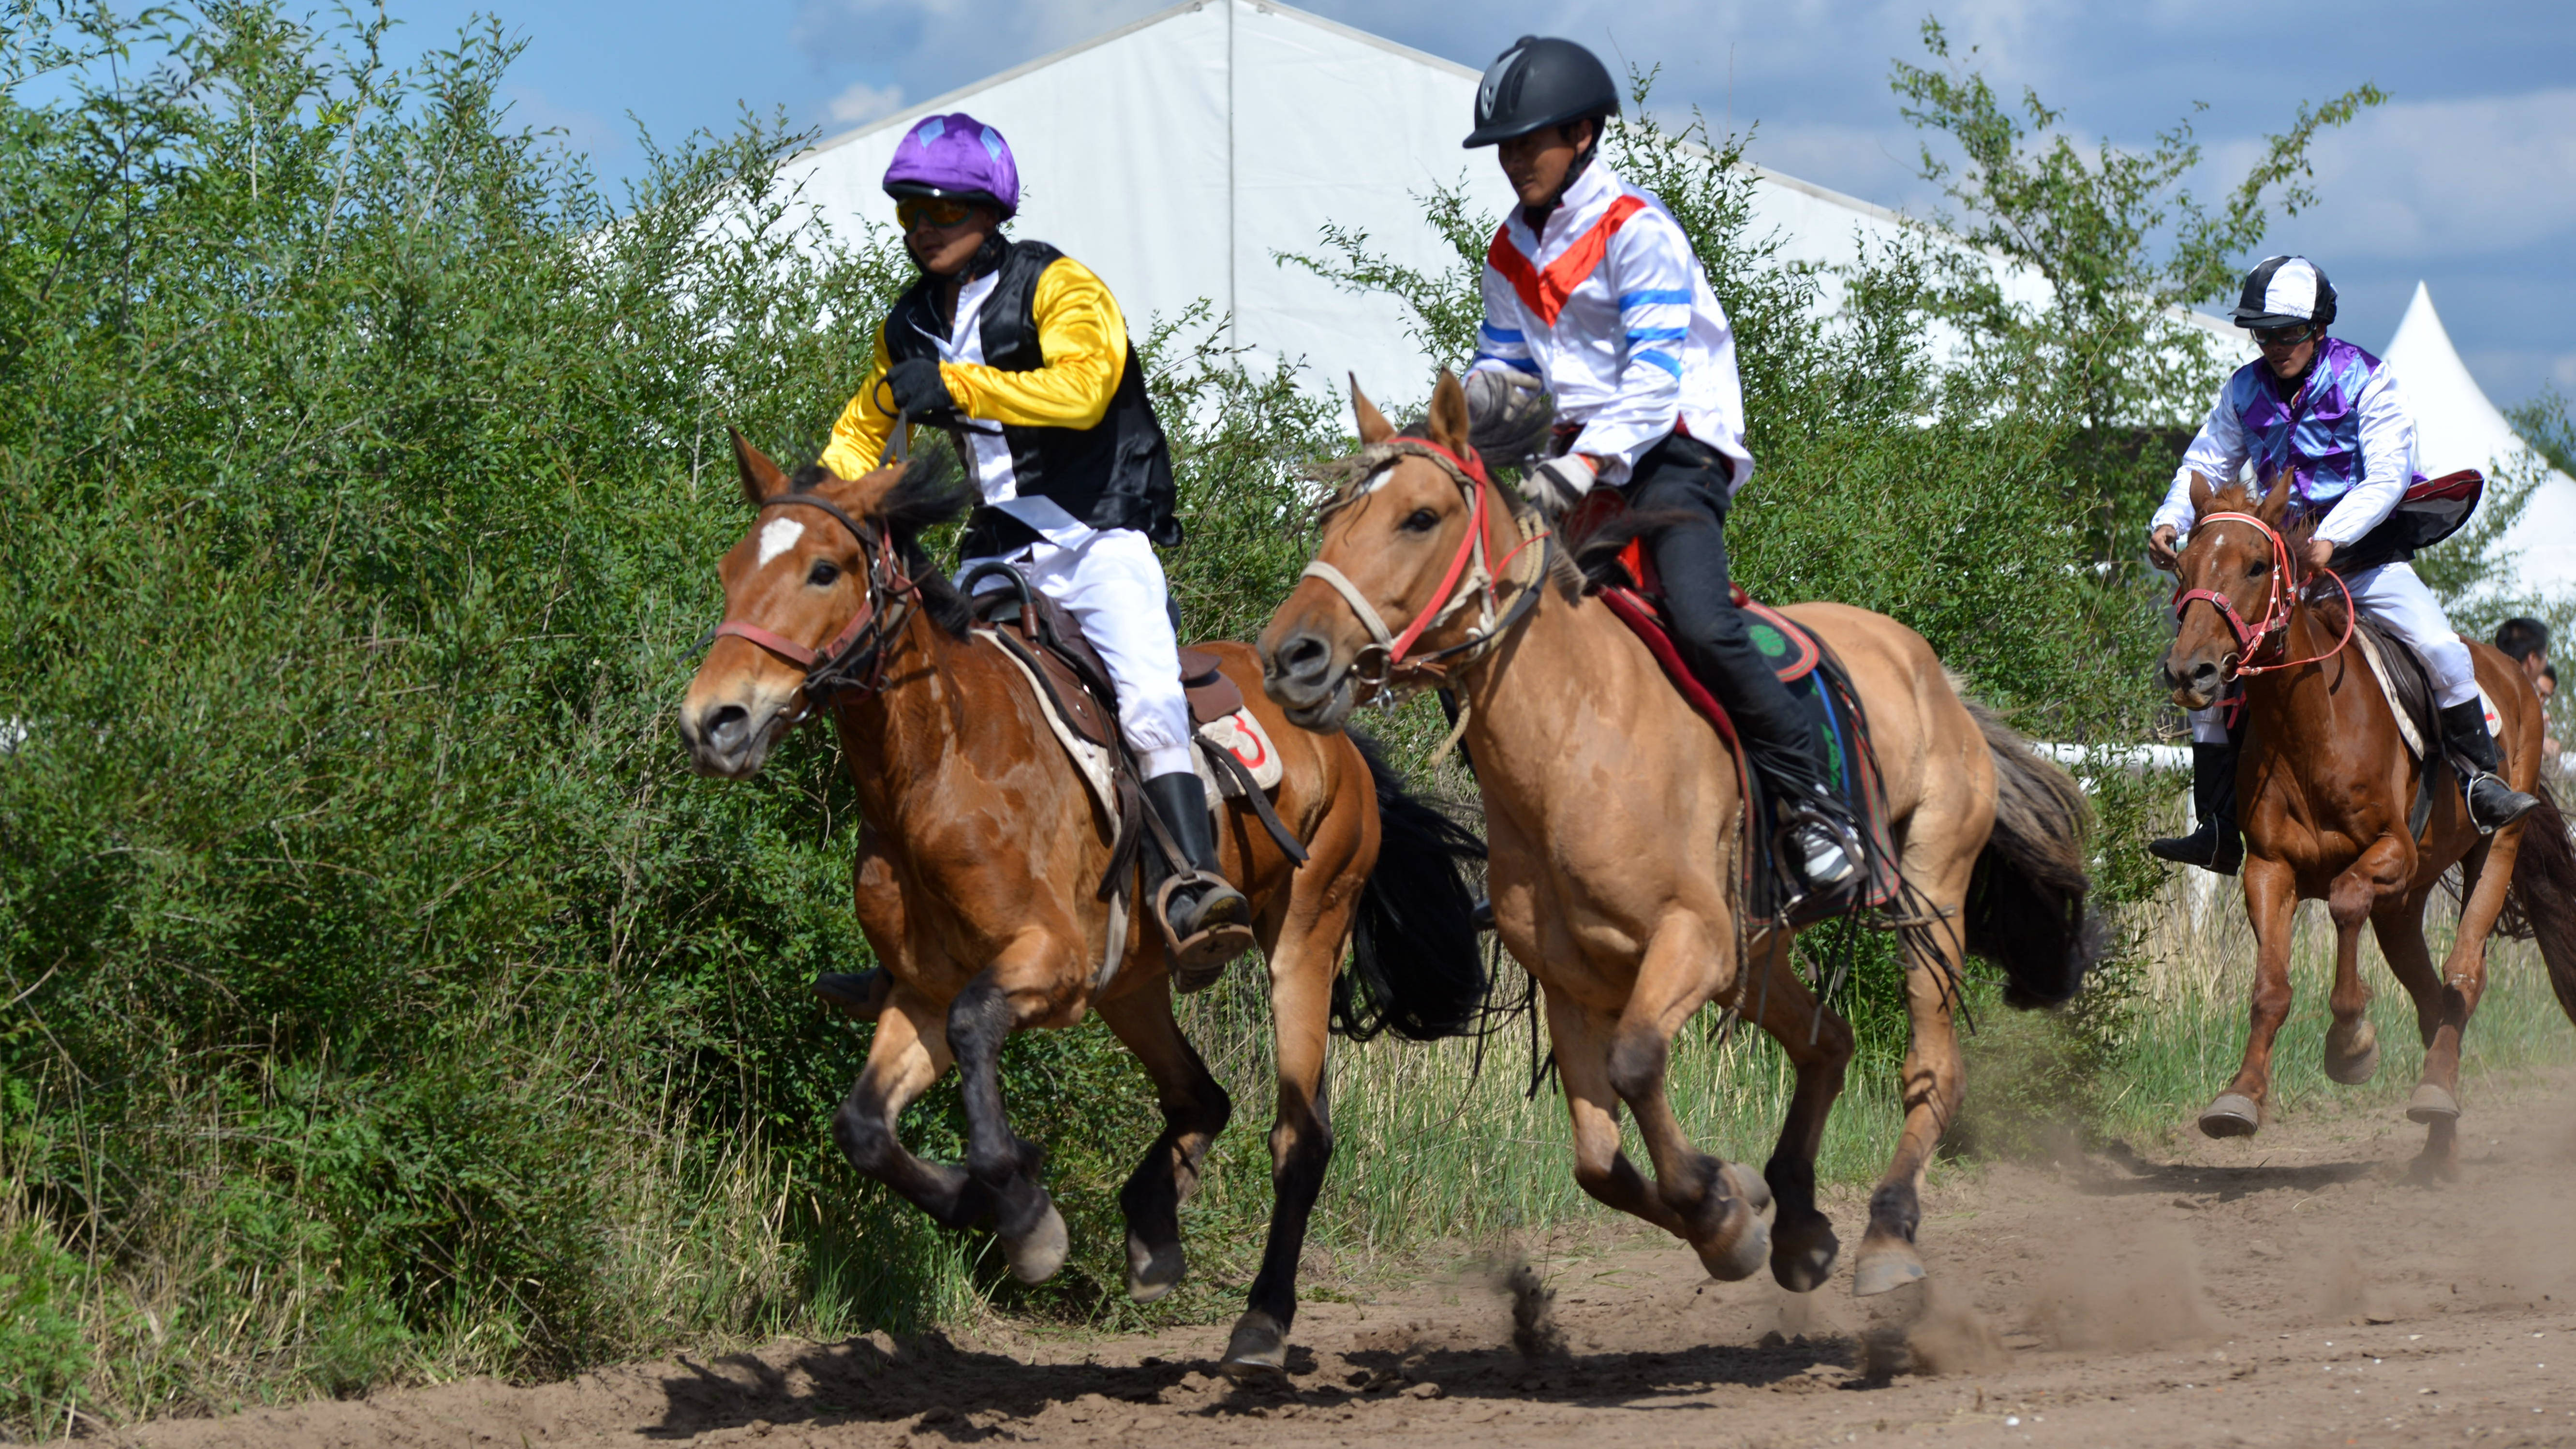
<point>853,663</point>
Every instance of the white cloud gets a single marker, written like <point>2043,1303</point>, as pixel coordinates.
<point>862,102</point>
<point>2472,177</point>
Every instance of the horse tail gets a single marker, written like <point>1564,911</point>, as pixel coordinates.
<point>2025,909</point>
<point>2544,893</point>
<point>1415,969</point>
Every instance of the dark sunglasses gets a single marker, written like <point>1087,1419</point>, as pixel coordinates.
<point>2290,336</point>
<point>919,211</point>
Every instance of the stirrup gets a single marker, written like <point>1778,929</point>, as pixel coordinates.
<point>2514,806</point>
<point>1200,957</point>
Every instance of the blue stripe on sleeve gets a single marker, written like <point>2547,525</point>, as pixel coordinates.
<point>1654,296</point>
<point>1664,360</point>
<point>1657,334</point>
<point>1523,364</point>
<point>1492,333</point>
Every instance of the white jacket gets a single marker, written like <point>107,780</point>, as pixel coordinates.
<point>1611,311</point>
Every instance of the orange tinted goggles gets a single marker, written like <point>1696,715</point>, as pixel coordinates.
<point>917,211</point>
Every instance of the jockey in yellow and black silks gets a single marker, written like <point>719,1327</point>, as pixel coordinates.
<point>1023,355</point>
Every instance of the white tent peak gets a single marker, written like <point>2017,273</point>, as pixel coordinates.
<point>2456,426</point>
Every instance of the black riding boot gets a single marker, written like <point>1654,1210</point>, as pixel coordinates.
<point>2217,845</point>
<point>1683,481</point>
<point>2493,804</point>
<point>1206,922</point>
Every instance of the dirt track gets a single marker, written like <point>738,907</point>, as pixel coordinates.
<point>2298,1289</point>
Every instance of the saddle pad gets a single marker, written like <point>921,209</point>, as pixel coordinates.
<point>1239,734</point>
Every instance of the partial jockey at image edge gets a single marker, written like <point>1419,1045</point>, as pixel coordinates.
<point>2332,419</point>
<point>1593,298</point>
<point>1022,354</point>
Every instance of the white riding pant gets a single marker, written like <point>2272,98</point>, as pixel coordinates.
<point>2395,597</point>
<point>1113,586</point>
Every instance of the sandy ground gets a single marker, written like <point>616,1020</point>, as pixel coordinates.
<point>2297,1289</point>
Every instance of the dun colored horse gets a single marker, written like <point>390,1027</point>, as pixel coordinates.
<point>977,872</point>
<point>1614,822</point>
<point>2325,787</point>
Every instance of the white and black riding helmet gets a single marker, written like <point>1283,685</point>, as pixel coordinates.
<point>2285,292</point>
<point>1540,81</point>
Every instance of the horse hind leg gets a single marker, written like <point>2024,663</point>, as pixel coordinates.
<point>2399,924</point>
<point>903,1060</point>
<point>998,1001</point>
<point>1819,1047</point>
<point>1195,1110</point>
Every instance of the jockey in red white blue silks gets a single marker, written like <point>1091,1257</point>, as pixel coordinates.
<point>1021,352</point>
<point>2333,418</point>
<point>1594,297</point>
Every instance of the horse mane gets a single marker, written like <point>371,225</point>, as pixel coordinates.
<point>1346,473</point>
<point>928,494</point>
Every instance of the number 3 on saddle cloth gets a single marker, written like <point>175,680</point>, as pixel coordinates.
<point>1837,727</point>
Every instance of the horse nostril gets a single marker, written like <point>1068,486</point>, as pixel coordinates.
<point>723,729</point>
<point>1305,657</point>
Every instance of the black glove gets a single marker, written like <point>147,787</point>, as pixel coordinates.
<point>918,389</point>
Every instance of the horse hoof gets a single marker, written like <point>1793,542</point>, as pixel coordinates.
<point>1884,1270</point>
<point>1742,1181</point>
<point>1037,1254</point>
<point>2432,1104</point>
<point>1802,1254</point>
<point>1153,1272</point>
<point>2357,1062</point>
<point>2232,1115</point>
<point>1740,1246</point>
<point>1258,1349</point>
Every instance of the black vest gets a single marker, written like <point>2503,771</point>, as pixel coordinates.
<point>1115,474</point>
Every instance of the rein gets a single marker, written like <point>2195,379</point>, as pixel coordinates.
<point>2279,605</point>
<point>1467,581</point>
<point>832,671</point>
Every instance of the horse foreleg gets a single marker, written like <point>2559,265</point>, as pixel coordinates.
<point>1302,963</point>
<point>1195,1110</point>
<point>1579,1040</point>
<point>2352,1044</point>
<point>1819,1047</point>
<point>2271,903</point>
<point>1018,988</point>
<point>903,1060</point>
<point>1720,1205</point>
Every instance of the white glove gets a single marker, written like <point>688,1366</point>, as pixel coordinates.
<point>1507,414</point>
<point>1558,484</point>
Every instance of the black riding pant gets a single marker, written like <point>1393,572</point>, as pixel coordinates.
<point>1685,481</point>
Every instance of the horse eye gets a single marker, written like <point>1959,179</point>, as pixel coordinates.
<point>1423,520</point>
<point>2260,568</point>
<point>824,572</point>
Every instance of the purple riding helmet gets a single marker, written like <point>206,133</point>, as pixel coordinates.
<point>958,157</point>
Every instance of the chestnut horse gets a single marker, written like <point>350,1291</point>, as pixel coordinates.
<point>1614,821</point>
<point>2325,784</point>
<point>977,872</point>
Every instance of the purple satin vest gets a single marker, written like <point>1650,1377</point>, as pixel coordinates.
<point>2316,436</point>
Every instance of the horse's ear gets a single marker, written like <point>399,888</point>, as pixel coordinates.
<point>1374,428</point>
<point>2276,501</point>
<point>1449,413</point>
<point>761,480</point>
<point>2201,493</point>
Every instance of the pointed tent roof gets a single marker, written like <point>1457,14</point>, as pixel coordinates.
<point>2457,427</point>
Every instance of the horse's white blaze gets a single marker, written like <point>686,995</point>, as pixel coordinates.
<point>777,536</point>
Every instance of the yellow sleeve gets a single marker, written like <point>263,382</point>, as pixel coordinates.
<point>1084,340</point>
<point>859,438</point>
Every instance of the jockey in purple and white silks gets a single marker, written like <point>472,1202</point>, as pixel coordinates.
<point>1594,297</point>
<point>2333,419</point>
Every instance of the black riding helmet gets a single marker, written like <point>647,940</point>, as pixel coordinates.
<point>2285,292</point>
<point>1539,82</point>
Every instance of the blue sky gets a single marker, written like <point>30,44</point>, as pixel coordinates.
<point>2467,179</point>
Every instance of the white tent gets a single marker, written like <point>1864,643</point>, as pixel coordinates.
<point>1178,156</point>
<point>2457,427</point>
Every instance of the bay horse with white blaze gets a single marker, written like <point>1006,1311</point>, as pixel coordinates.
<point>1615,824</point>
<point>2325,788</point>
<point>976,874</point>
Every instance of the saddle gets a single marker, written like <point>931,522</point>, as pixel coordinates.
<point>2407,684</point>
<point>1836,723</point>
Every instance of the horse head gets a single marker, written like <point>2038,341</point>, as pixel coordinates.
<point>817,586</point>
<point>2235,568</point>
<point>1390,533</point>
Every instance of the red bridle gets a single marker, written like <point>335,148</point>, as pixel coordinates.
<point>2279,604</point>
<point>827,670</point>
